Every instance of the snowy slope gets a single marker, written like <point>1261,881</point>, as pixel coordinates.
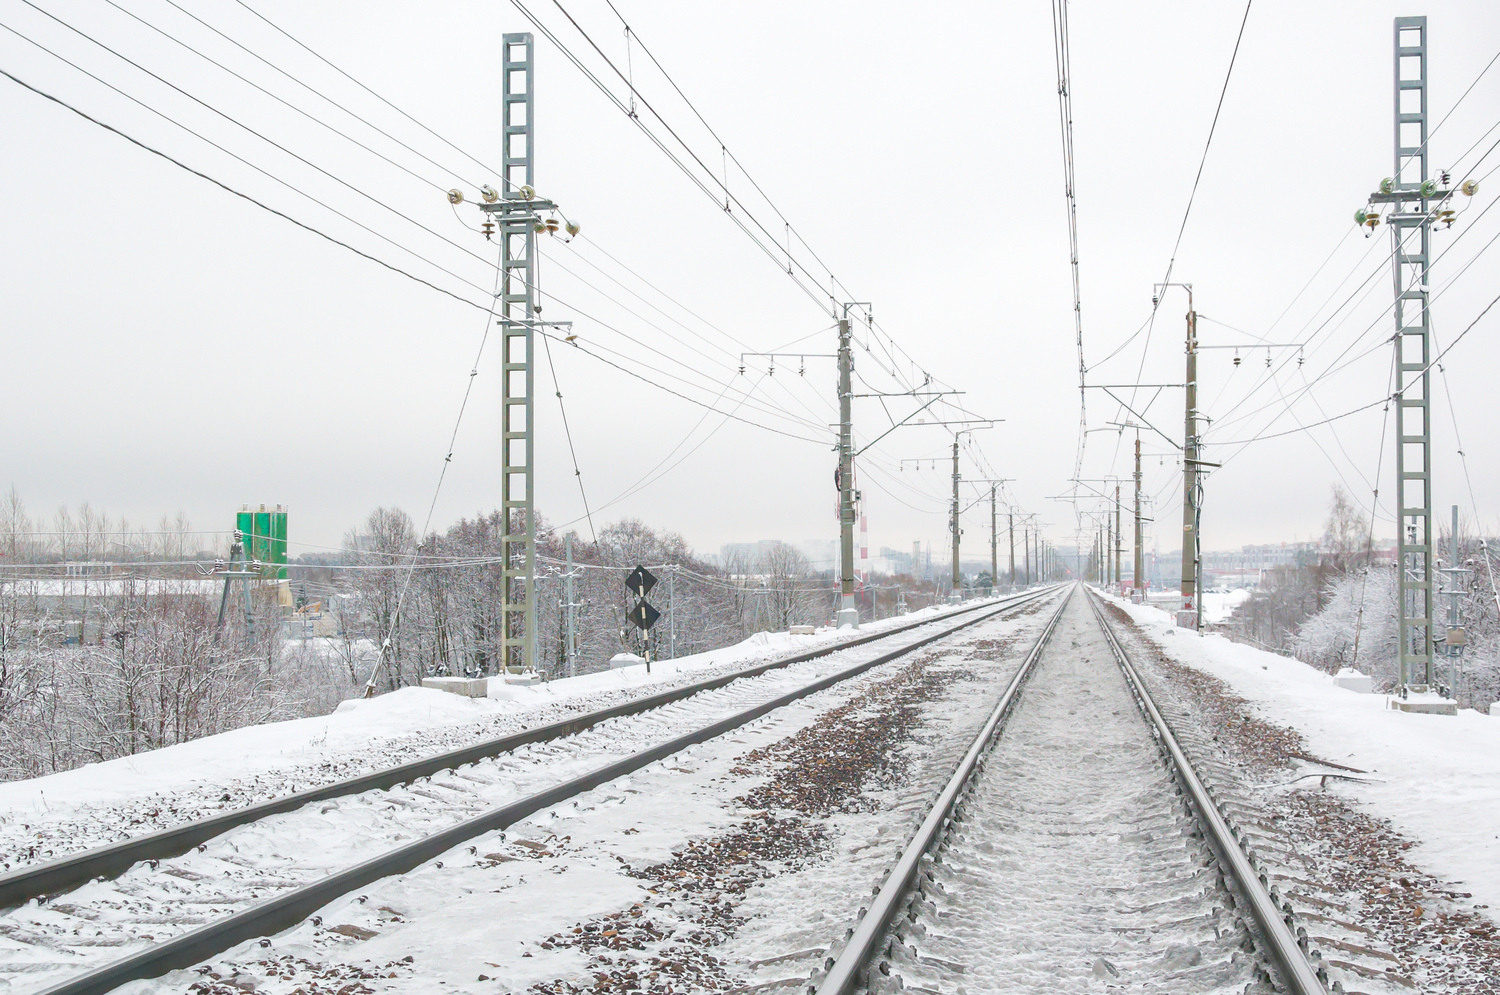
<point>261,762</point>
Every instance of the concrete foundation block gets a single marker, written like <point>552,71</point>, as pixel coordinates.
<point>1352,680</point>
<point>468,687</point>
<point>1428,703</point>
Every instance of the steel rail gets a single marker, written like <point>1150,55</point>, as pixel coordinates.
<point>293,907</point>
<point>1286,953</point>
<point>844,976</point>
<point>71,871</point>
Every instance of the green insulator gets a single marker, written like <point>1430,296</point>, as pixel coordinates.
<point>1360,216</point>
<point>1428,188</point>
<point>1387,185</point>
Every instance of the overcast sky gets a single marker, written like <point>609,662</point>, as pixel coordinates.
<point>171,346</point>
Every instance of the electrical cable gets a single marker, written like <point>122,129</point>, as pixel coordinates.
<point>1192,195</point>
<point>281,100</point>
<point>227,188</point>
<point>442,475</point>
<point>232,120</point>
<point>557,389</point>
<point>1063,61</point>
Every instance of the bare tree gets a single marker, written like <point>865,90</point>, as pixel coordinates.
<point>786,576</point>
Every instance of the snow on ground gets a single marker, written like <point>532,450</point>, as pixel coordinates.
<point>1436,778</point>
<point>357,726</point>
<point>1219,603</point>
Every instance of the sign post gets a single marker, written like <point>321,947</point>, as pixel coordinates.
<point>644,615</point>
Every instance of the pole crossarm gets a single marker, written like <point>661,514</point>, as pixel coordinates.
<point>908,418</point>
<point>1159,387</point>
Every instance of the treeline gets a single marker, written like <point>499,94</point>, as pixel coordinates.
<point>437,601</point>
<point>1339,609</point>
<point>98,664</point>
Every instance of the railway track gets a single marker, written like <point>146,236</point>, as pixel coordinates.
<point>1074,847</point>
<point>173,899</point>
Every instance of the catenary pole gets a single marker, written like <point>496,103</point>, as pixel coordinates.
<point>1138,580</point>
<point>994,543</point>
<point>848,614</point>
<point>1010,527</point>
<point>956,594</point>
<point>1119,539</point>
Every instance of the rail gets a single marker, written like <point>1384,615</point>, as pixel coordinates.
<point>53,876</point>
<point>847,973</point>
<point>293,907</point>
<point>844,976</point>
<point>1281,942</point>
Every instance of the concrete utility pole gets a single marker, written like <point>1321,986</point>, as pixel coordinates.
<point>1026,552</point>
<point>1189,614</point>
<point>570,608</point>
<point>1190,473</point>
<point>957,595</point>
<point>1119,539</point>
<point>994,543</point>
<point>1138,580</point>
<point>1457,638</point>
<point>1010,526</point>
<point>848,614</point>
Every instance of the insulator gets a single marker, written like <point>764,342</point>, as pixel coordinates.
<point>526,192</point>
<point>1360,216</point>
<point>1469,187</point>
<point>489,230</point>
<point>538,227</point>
<point>1236,360</point>
<point>572,228</point>
<point>1428,188</point>
<point>489,194</point>
<point>552,226</point>
<point>1387,185</point>
<point>455,196</point>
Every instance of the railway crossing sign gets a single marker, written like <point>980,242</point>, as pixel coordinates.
<point>644,615</point>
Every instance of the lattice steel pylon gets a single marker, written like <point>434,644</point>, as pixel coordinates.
<point>1409,192</point>
<point>517,215</point>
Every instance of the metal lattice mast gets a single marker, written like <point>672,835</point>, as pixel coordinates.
<point>1413,352</point>
<point>517,312</point>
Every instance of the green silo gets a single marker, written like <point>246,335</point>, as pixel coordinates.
<point>264,535</point>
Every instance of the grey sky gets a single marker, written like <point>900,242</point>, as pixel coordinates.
<point>170,346</point>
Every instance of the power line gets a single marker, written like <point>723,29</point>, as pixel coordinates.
<point>1063,59</point>
<point>226,187</point>
<point>1192,195</point>
<point>307,227</point>
<point>240,124</point>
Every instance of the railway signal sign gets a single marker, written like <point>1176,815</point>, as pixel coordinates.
<point>643,615</point>
<point>640,582</point>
